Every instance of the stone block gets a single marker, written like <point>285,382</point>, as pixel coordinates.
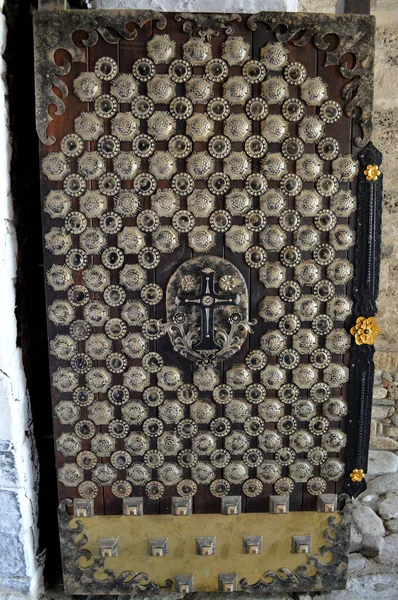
<point>383,484</point>
<point>386,358</point>
<point>12,555</point>
<point>371,500</point>
<point>392,525</point>
<point>379,392</point>
<point>388,509</point>
<point>367,522</point>
<point>380,443</point>
<point>392,494</point>
<point>355,539</point>
<point>10,513</point>
<point>20,588</point>
<point>318,6</point>
<point>386,75</point>
<point>380,412</point>
<point>391,431</point>
<point>384,402</point>
<point>393,390</point>
<point>389,552</point>
<point>356,562</point>
<point>378,372</point>
<point>381,462</point>
<point>8,471</point>
<point>371,545</point>
<point>386,378</point>
<point>369,587</point>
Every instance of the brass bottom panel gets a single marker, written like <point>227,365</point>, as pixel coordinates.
<point>277,567</point>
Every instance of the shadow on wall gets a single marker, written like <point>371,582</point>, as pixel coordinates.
<point>30,301</point>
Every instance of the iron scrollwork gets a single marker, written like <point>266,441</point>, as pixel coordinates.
<point>356,37</point>
<point>81,569</point>
<point>331,574</point>
<point>207,25</point>
<point>54,31</point>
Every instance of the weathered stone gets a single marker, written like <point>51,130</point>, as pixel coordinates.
<point>356,538</point>
<point>378,372</point>
<point>379,392</point>
<point>380,412</point>
<point>12,555</point>
<point>392,494</point>
<point>317,5</point>
<point>394,418</point>
<point>384,402</point>
<point>10,513</point>
<point>379,443</point>
<point>8,470</point>
<point>371,544</point>
<point>393,390</point>
<point>386,358</point>
<point>386,378</point>
<point>389,552</point>
<point>370,587</point>
<point>381,462</point>
<point>391,431</point>
<point>367,521</point>
<point>383,484</point>
<point>371,500</point>
<point>356,562</point>
<point>392,525</point>
<point>388,509</point>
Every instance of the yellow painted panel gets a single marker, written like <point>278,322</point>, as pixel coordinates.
<point>277,531</point>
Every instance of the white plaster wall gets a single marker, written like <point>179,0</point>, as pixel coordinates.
<point>247,6</point>
<point>19,571</point>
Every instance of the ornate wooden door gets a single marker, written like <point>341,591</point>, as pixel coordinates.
<point>211,211</point>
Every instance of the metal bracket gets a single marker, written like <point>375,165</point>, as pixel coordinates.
<point>231,505</point>
<point>133,507</point>
<point>228,582</point>
<point>301,544</point>
<point>206,546</point>
<point>184,583</point>
<point>108,547</point>
<point>181,507</point>
<point>327,503</point>
<point>158,547</point>
<point>279,504</point>
<point>252,545</point>
<point>83,508</point>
